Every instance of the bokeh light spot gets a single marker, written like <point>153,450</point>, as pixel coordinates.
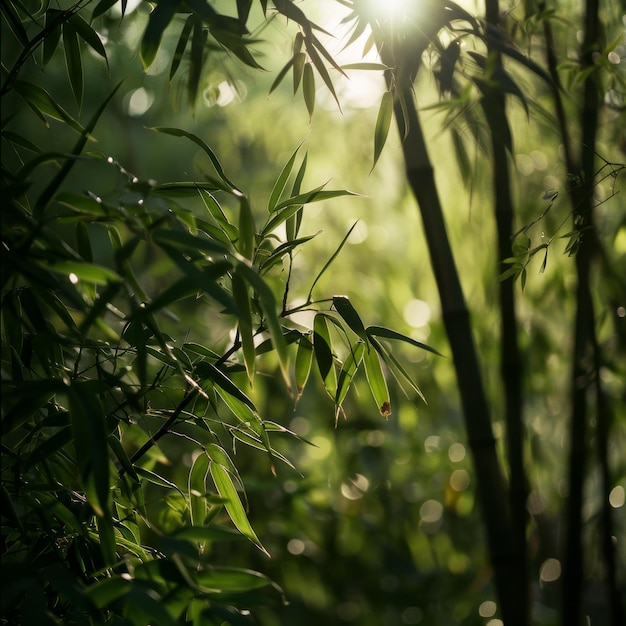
<point>487,608</point>
<point>617,497</point>
<point>456,452</point>
<point>550,570</point>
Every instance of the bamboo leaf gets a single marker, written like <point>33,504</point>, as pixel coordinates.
<point>51,40</point>
<point>246,229</point>
<point>73,61</point>
<point>196,489</point>
<point>329,262</point>
<point>322,346</point>
<point>344,307</point>
<point>268,304</point>
<point>242,300</point>
<point>159,20</point>
<point>294,221</point>
<point>85,271</point>
<point>281,75</point>
<point>234,507</point>
<point>88,35</point>
<point>281,181</point>
<point>396,367</point>
<point>299,61</point>
<point>104,5</point>
<point>387,333</point>
<point>231,579</point>
<point>383,122</point>
<point>42,103</point>
<point>308,88</point>
<point>321,69</point>
<point>177,132</point>
<point>183,40</point>
<point>377,382</point>
<point>48,193</point>
<point>304,360</point>
<point>155,479</point>
<point>319,194</point>
<point>348,371</point>
<point>196,60</point>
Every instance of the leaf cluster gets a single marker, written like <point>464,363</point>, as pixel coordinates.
<point>99,373</point>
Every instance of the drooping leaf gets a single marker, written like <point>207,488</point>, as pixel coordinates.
<point>376,381</point>
<point>196,59</point>
<point>311,49</point>
<point>383,122</point>
<point>304,360</point>
<point>246,241</point>
<point>176,132</point>
<point>281,75</point>
<point>207,370</point>
<point>160,18</point>
<point>299,62</point>
<point>344,307</point>
<point>231,579</point>
<point>397,369</point>
<point>234,507</point>
<point>246,332</point>
<point>330,261</point>
<point>348,371</point>
<point>387,333</point>
<point>322,346</point>
<point>308,88</point>
<point>88,35</point>
<point>89,272</point>
<point>51,40</point>
<point>73,61</point>
<point>183,39</point>
<point>197,489</point>
<point>268,304</point>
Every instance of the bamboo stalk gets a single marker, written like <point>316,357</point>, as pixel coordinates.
<point>584,332</point>
<point>492,489</point>
<point>510,357</point>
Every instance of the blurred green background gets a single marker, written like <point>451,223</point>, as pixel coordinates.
<point>378,524</point>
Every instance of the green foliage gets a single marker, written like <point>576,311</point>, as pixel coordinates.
<point>158,331</point>
<point>98,372</point>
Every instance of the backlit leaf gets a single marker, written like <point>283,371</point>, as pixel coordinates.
<point>281,181</point>
<point>344,307</point>
<point>322,346</point>
<point>387,333</point>
<point>383,122</point>
<point>377,382</point>
<point>160,18</point>
<point>183,39</point>
<point>304,359</point>
<point>308,88</point>
<point>234,507</point>
<point>348,370</point>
